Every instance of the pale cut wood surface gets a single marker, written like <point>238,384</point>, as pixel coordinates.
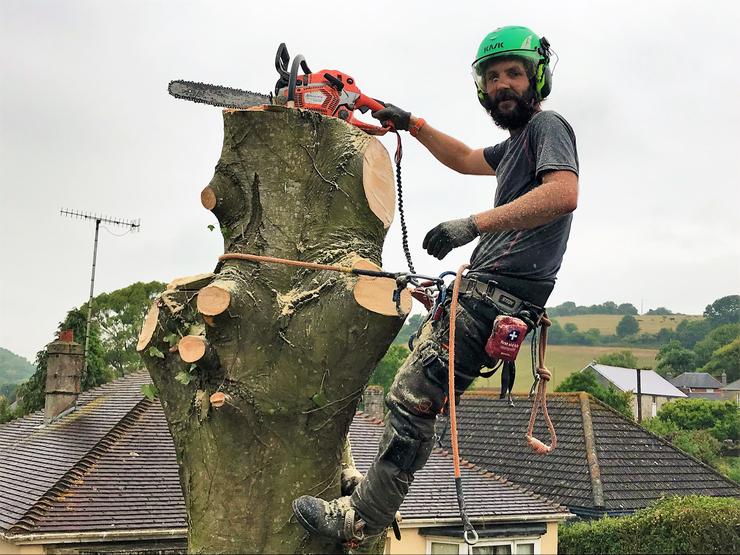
<point>376,293</point>
<point>377,180</point>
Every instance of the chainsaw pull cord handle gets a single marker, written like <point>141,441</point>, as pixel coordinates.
<point>470,535</point>
<point>543,375</point>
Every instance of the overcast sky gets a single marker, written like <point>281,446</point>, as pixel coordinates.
<point>86,123</point>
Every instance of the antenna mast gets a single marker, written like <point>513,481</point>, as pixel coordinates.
<point>131,225</point>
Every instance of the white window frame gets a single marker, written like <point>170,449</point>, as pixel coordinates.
<point>462,547</point>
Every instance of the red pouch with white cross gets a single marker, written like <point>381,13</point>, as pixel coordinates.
<point>506,338</point>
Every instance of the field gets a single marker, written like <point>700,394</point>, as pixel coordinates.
<point>607,323</point>
<point>562,360</point>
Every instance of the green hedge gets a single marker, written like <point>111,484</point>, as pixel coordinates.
<point>691,524</point>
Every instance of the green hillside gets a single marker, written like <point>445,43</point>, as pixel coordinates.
<point>13,368</point>
<point>607,323</point>
<point>562,360</point>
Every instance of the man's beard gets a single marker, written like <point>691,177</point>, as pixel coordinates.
<point>519,116</point>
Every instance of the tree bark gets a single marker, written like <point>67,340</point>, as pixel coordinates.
<point>278,356</point>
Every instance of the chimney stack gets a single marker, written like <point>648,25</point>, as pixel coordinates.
<point>372,401</point>
<point>669,375</point>
<point>724,378</point>
<point>63,371</point>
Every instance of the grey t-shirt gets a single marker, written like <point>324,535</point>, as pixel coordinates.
<point>546,143</point>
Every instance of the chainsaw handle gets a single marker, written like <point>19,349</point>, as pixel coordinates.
<point>364,101</point>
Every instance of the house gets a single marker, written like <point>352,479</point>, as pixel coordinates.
<point>654,390</point>
<point>698,385</point>
<point>731,392</point>
<point>101,475</point>
<point>604,463</point>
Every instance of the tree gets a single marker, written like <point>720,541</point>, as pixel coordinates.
<point>660,311</point>
<point>622,359</point>
<point>725,310</point>
<point>119,315</point>
<point>6,415</point>
<point>409,328</point>
<point>112,352</point>
<point>586,381</point>
<point>718,337</point>
<point>719,418</point>
<point>388,366</point>
<point>672,357</point>
<point>628,325</point>
<point>627,308</point>
<point>260,366</point>
<point>30,394</point>
<point>689,332</point>
<point>725,359</point>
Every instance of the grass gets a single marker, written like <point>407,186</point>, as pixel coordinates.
<point>562,360</point>
<point>607,323</point>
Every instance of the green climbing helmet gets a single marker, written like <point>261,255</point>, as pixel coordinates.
<point>514,41</point>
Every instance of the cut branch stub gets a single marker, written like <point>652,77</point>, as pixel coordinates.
<point>191,283</point>
<point>213,300</point>
<point>196,349</point>
<point>147,329</point>
<point>376,293</point>
<point>192,348</point>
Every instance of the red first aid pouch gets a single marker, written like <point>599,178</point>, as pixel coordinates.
<point>506,338</point>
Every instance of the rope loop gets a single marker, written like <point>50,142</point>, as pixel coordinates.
<point>543,376</point>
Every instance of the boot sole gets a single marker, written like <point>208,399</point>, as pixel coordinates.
<point>303,522</point>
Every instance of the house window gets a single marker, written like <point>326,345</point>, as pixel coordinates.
<point>485,547</point>
<point>443,548</point>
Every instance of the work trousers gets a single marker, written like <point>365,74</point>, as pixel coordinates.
<point>419,392</point>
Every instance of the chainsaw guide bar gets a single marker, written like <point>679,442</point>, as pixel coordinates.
<point>217,95</point>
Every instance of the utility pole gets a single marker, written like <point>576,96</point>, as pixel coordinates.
<point>639,395</point>
<point>131,225</point>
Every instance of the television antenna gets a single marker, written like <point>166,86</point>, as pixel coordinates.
<point>130,225</point>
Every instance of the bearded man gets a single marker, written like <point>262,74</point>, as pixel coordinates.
<point>513,268</point>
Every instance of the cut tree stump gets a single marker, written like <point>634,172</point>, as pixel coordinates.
<point>276,357</point>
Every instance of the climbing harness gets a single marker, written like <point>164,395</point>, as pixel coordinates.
<point>541,376</point>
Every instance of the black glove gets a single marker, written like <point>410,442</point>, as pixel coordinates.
<point>399,118</point>
<point>449,235</point>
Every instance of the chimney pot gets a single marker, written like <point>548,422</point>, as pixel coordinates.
<point>63,372</point>
<point>67,336</point>
<point>372,401</point>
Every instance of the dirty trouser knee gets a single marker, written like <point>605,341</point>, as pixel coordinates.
<point>418,394</point>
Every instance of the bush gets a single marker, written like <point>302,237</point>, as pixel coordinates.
<point>699,444</point>
<point>586,381</point>
<point>386,369</point>
<point>692,524</point>
<point>719,418</point>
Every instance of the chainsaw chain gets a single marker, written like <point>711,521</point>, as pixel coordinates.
<point>258,98</point>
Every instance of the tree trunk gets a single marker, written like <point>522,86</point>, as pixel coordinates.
<point>259,367</point>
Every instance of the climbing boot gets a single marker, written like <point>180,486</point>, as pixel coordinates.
<point>335,519</point>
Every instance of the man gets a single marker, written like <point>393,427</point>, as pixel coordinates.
<point>522,242</point>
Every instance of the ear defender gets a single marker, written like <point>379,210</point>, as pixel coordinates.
<point>543,74</point>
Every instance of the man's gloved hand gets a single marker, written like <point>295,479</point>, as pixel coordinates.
<point>449,235</point>
<point>395,115</point>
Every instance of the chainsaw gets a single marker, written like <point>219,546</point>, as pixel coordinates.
<point>329,92</point>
